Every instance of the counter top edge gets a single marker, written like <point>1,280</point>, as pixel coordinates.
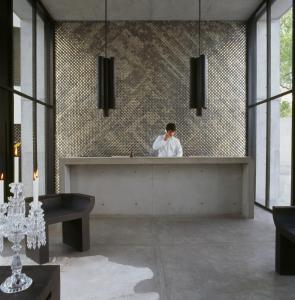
<point>152,160</point>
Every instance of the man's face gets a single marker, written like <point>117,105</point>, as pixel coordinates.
<point>171,133</point>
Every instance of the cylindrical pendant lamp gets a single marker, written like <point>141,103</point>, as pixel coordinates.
<point>199,77</point>
<point>198,83</point>
<point>105,78</point>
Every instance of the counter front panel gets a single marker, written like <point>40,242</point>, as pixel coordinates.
<point>153,186</point>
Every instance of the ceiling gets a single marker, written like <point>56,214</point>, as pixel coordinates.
<point>89,10</point>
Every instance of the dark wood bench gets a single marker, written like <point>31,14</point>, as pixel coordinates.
<point>73,211</point>
<point>284,219</point>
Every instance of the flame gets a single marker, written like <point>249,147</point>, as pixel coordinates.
<point>15,151</point>
<point>2,176</point>
<point>16,148</point>
<point>36,175</point>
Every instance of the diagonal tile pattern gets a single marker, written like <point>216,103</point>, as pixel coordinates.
<point>152,88</point>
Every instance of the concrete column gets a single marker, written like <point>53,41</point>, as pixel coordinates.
<point>261,112</point>
<point>275,114</point>
<point>26,106</point>
<point>41,109</point>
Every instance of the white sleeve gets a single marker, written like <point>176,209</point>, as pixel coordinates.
<point>159,143</point>
<point>179,151</point>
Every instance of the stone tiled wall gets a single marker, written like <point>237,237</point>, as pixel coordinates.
<point>152,88</point>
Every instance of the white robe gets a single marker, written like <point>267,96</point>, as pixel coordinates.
<point>169,148</point>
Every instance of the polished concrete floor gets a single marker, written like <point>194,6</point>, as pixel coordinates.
<point>192,258</point>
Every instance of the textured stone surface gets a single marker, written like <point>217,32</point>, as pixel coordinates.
<point>155,160</point>
<point>192,258</point>
<point>152,88</point>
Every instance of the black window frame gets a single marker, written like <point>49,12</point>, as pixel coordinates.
<point>252,102</point>
<point>7,92</point>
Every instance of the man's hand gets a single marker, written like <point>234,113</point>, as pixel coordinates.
<point>166,136</point>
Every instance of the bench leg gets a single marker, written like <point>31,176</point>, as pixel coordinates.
<point>285,258</point>
<point>40,255</point>
<point>76,233</point>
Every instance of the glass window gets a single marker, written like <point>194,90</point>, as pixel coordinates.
<point>26,139</point>
<point>279,110</point>
<point>261,54</point>
<point>23,37</point>
<point>40,57</point>
<point>280,151</point>
<point>281,46</point>
<point>23,108</point>
<point>23,81</point>
<point>41,147</point>
<point>16,50</point>
<point>261,126</point>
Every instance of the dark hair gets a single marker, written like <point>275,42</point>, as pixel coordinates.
<point>170,126</point>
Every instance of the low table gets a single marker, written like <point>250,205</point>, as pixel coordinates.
<point>46,283</point>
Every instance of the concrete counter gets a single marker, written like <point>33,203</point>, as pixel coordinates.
<point>116,160</point>
<point>162,186</point>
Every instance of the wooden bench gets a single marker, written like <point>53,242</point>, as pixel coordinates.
<point>284,219</point>
<point>73,211</point>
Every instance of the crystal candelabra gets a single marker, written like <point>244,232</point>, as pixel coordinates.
<point>15,225</point>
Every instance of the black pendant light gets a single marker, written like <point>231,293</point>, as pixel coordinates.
<point>199,77</point>
<point>106,76</point>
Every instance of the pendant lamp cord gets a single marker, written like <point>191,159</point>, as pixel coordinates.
<point>199,27</point>
<point>105,28</point>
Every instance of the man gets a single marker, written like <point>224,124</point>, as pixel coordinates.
<point>168,145</point>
